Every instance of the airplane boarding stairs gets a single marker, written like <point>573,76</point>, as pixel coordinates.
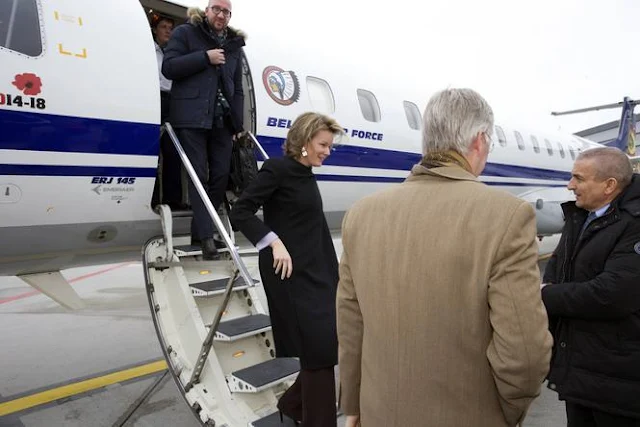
<point>214,330</point>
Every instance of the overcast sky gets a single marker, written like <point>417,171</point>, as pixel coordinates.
<point>526,58</point>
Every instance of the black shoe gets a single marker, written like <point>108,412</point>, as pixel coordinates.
<point>293,414</point>
<point>282,419</point>
<point>209,250</point>
<point>217,240</point>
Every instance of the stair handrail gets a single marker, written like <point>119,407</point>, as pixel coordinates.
<point>235,255</point>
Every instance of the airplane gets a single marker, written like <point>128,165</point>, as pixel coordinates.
<point>79,139</point>
<point>79,132</point>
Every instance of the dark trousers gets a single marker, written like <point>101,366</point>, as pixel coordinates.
<point>209,151</point>
<point>312,398</point>
<point>581,416</point>
<point>170,192</point>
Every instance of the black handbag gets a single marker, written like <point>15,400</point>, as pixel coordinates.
<point>244,166</point>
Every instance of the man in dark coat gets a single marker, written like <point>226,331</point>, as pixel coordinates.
<point>591,291</point>
<point>204,60</point>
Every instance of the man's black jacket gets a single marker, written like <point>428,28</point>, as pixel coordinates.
<point>195,79</point>
<point>593,302</point>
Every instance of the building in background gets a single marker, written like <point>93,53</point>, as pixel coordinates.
<point>608,131</point>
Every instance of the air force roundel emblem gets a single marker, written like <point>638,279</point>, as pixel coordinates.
<point>636,248</point>
<point>282,86</point>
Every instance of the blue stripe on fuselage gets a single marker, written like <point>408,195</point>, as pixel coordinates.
<point>48,132</point>
<point>353,156</point>
<point>377,158</point>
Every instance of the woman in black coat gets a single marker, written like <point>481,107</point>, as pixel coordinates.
<point>298,265</point>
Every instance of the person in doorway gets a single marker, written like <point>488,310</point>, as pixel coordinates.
<point>170,191</point>
<point>298,265</point>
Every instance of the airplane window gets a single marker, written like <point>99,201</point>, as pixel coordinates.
<point>560,149</point>
<point>20,27</point>
<point>572,151</point>
<point>549,147</point>
<point>413,115</point>
<point>501,138</point>
<point>519,140</point>
<point>321,95</point>
<point>536,145</point>
<point>369,105</point>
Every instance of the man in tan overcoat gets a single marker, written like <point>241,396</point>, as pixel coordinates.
<point>440,318</point>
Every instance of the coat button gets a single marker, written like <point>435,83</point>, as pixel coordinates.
<point>552,386</point>
<point>563,344</point>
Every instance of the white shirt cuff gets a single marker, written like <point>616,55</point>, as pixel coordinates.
<point>267,240</point>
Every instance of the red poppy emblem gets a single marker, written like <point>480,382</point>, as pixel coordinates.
<point>28,83</point>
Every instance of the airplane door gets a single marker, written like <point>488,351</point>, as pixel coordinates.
<point>250,114</point>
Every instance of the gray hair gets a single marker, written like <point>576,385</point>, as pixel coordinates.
<point>609,162</point>
<point>452,120</point>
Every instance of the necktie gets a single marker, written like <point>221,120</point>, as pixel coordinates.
<point>590,217</point>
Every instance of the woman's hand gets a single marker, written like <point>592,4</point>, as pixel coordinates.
<point>281,259</point>
<point>352,421</point>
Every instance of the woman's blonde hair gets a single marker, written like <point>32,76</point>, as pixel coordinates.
<point>304,128</point>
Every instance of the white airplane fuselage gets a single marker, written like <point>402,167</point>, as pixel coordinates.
<point>79,130</point>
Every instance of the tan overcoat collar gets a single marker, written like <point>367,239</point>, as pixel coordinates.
<point>419,172</point>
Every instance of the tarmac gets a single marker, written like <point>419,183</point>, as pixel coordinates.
<point>102,365</point>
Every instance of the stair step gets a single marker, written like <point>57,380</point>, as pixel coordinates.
<point>273,420</point>
<point>192,250</point>
<point>217,286</point>
<point>236,329</point>
<point>259,377</point>
<point>202,271</point>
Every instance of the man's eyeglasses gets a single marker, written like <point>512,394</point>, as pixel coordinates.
<point>216,10</point>
<point>489,141</point>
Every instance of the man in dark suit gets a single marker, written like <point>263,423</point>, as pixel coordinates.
<point>204,60</point>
